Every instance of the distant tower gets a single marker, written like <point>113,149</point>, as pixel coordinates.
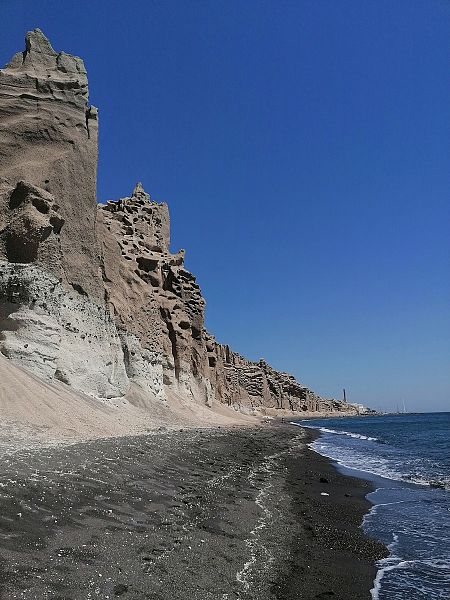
<point>345,395</point>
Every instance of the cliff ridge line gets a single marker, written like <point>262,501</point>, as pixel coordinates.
<point>90,294</point>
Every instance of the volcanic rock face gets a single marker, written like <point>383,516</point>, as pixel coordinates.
<point>92,295</point>
<point>32,216</point>
<point>158,303</point>
<point>48,136</point>
<point>258,385</point>
<point>52,312</point>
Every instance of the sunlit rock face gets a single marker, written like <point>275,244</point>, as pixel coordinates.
<point>48,138</point>
<point>154,298</point>
<point>52,311</point>
<point>91,294</point>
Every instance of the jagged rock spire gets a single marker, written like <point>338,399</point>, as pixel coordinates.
<point>35,41</point>
<point>46,92</point>
<point>40,60</point>
<point>139,192</point>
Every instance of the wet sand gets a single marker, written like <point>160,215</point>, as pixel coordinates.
<point>224,514</point>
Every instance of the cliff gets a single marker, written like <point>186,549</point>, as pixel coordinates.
<point>91,295</point>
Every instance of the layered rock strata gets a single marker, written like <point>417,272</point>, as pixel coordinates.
<point>53,316</point>
<point>92,295</point>
<point>48,134</point>
<point>146,284</point>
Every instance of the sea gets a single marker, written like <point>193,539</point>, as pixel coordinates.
<point>407,457</point>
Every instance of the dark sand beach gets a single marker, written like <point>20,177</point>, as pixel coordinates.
<point>194,514</point>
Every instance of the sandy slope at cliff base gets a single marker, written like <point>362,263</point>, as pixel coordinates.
<point>34,412</point>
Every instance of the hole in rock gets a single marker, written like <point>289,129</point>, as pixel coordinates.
<point>196,333</point>
<point>18,195</point>
<point>77,287</point>
<point>20,249</point>
<point>147,264</point>
<point>57,224</point>
<point>40,204</point>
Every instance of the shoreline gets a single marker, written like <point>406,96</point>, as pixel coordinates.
<point>224,513</point>
<point>332,532</point>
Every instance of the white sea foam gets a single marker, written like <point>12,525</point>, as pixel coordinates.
<point>351,462</point>
<point>419,562</point>
<point>413,521</point>
<point>439,573</point>
<point>254,543</point>
<point>374,510</point>
<point>351,434</point>
<point>375,465</point>
<point>371,464</point>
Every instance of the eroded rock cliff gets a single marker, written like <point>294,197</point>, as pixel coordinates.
<point>91,294</point>
<point>158,307</point>
<point>48,136</point>
<point>53,316</point>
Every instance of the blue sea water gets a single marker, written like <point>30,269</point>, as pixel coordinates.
<point>408,459</point>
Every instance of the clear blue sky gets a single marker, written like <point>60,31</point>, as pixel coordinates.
<point>303,148</point>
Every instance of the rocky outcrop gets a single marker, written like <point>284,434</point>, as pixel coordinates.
<point>157,301</point>
<point>92,295</point>
<point>240,382</point>
<point>53,317</point>
<point>48,136</point>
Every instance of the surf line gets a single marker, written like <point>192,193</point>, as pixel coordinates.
<point>254,542</point>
